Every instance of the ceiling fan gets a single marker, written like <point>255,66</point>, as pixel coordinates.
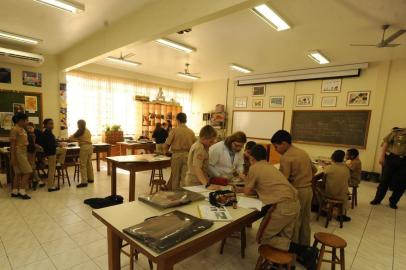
<point>187,74</point>
<point>385,42</point>
<point>123,59</point>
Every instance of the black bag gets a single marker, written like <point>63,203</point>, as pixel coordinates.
<point>222,198</point>
<point>97,203</point>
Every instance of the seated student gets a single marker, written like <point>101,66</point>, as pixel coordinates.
<point>247,151</point>
<point>160,134</point>
<point>354,163</point>
<point>32,152</point>
<point>198,159</point>
<point>336,177</point>
<point>19,158</point>
<point>281,208</point>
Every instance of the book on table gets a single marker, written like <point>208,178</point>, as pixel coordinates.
<point>214,213</point>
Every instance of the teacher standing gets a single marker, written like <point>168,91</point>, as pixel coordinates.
<point>226,157</point>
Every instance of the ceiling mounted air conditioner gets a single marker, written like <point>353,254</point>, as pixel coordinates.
<point>20,57</point>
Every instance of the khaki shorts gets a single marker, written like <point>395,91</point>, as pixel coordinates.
<point>22,165</point>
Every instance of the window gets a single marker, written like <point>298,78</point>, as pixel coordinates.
<point>102,100</point>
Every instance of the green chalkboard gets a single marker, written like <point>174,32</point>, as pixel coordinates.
<point>11,101</point>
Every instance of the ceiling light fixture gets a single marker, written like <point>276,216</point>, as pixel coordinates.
<point>18,38</point>
<point>175,45</point>
<point>188,76</point>
<point>66,5</point>
<point>270,16</point>
<point>123,61</point>
<point>240,68</point>
<point>317,57</point>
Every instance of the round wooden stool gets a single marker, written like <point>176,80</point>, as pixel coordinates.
<point>334,242</point>
<point>282,259</point>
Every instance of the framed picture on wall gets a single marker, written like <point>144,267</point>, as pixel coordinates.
<point>276,101</point>
<point>258,91</point>
<point>32,78</point>
<point>304,100</point>
<point>329,101</point>
<point>240,102</point>
<point>331,86</point>
<point>358,98</point>
<point>257,103</point>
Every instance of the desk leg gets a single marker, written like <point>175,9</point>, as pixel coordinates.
<point>98,161</point>
<point>131,196</point>
<point>122,150</point>
<point>108,163</point>
<point>114,245</point>
<point>114,179</point>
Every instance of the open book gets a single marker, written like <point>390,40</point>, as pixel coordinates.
<point>213,213</point>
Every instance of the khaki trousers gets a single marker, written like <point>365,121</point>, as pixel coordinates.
<point>178,170</point>
<point>52,160</point>
<point>303,231</point>
<point>278,226</point>
<point>86,166</point>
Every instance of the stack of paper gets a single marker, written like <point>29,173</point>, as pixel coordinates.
<point>249,203</point>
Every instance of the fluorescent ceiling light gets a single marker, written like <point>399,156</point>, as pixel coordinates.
<point>240,68</point>
<point>70,6</point>
<point>123,61</point>
<point>175,45</point>
<point>270,16</point>
<point>318,57</point>
<point>18,38</point>
<point>188,76</point>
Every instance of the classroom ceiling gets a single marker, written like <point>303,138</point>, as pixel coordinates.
<point>59,29</point>
<point>242,38</point>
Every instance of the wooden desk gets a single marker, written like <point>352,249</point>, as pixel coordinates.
<point>102,148</point>
<point>148,147</point>
<point>119,217</point>
<point>133,164</point>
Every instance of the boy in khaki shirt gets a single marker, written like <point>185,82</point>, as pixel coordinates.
<point>198,160</point>
<point>180,140</point>
<point>297,167</point>
<point>281,208</point>
<point>354,164</point>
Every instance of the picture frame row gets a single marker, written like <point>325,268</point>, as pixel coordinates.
<point>29,78</point>
<point>354,98</point>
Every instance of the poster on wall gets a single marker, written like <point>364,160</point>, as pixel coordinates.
<point>358,98</point>
<point>18,107</point>
<point>329,101</point>
<point>240,102</point>
<point>257,103</point>
<point>5,75</point>
<point>276,101</point>
<point>32,78</point>
<point>304,100</point>
<point>31,104</point>
<point>331,86</point>
<point>6,121</point>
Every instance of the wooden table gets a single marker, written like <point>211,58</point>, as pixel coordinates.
<point>119,217</point>
<point>73,153</point>
<point>133,164</point>
<point>148,147</point>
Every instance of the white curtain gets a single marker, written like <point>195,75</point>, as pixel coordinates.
<point>102,100</point>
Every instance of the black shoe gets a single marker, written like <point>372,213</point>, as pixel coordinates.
<point>81,185</point>
<point>15,195</point>
<point>53,189</point>
<point>24,197</point>
<point>310,258</point>
<point>90,181</point>
<point>393,206</point>
<point>345,218</point>
<point>374,202</point>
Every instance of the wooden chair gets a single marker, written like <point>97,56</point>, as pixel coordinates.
<point>157,181</point>
<point>354,197</point>
<point>62,174</point>
<point>334,242</point>
<point>133,255</point>
<point>279,258</point>
<point>243,236</point>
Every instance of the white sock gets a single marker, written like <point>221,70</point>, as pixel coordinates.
<point>14,191</point>
<point>22,191</point>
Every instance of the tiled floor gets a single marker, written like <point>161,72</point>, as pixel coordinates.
<point>57,231</point>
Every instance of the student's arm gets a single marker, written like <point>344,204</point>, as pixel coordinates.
<point>214,157</point>
<point>285,168</point>
<point>13,148</point>
<point>169,141</point>
<point>201,176</point>
<point>249,188</point>
<point>383,153</point>
<point>197,164</point>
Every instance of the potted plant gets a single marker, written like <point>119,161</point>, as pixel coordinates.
<point>113,134</point>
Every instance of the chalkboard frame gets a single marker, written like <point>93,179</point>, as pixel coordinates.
<point>332,144</point>
<point>26,93</point>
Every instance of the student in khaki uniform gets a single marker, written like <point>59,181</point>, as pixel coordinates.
<point>281,208</point>
<point>180,140</point>
<point>336,176</point>
<point>84,137</point>
<point>198,159</point>
<point>297,167</point>
<point>354,164</point>
<point>19,158</point>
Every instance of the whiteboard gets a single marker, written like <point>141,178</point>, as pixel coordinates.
<point>258,124</point>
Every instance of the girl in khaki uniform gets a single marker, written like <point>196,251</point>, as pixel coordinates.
<point>84,137</point>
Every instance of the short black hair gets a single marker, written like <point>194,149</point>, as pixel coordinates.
<point>353,153</point>
<point>249,145</point>
<point>338,156</point>
<point>208,132</point>
<point>281,136</point>
<point>258,152</point>
<point>46,121</point>
<point>19,116</point>
<point>181,117</point>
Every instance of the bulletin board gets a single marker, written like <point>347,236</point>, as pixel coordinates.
<point>13,101</point>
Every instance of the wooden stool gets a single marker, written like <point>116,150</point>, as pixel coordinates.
<point>354,197</point>
<point>328,205</point>
<point>282,259</point>
<point>76,173</point>
<point>334,242</point>
<point>62,172</point>
<point>243,237</point>
<point>157,181</point>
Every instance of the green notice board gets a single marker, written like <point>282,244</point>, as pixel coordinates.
<point>13,101</point>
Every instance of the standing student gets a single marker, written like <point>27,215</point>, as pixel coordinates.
<point>393,167</point>
<point>337,175</point>
<point>19,158</point>
<point>297,167</point>
<point>160,135</point>
<point>54,154</point>
<point>32,152</point>
<point>354,164</point>
<point>198,159</point>
<point>226,157</point>
<point>180,141</point>
<point>281,208</point>
<point>84,137</point>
